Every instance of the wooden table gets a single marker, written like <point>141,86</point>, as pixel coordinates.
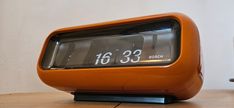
<point>205,99</point>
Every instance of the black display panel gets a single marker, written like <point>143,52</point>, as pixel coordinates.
<point>138,44</point>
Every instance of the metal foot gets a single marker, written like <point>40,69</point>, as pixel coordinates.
<point>123,98</point>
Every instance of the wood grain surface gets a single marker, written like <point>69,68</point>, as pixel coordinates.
<point>205,99</point>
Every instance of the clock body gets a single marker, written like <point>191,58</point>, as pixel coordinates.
<point>150,55</point>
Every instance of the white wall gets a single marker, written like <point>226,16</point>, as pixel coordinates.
<point>24,24</point>
<point>218,43</point>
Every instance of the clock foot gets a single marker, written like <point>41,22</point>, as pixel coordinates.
<point>123,98</point>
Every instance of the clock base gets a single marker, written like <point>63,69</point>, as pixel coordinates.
<point>123,98</point>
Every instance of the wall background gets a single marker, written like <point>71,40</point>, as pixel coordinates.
<point>24,25</point>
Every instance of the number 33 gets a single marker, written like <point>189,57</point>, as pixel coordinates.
<point>127,55</point>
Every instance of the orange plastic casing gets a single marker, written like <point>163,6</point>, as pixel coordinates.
<point>181,79</point>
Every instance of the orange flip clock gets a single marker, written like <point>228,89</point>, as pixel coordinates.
<point>154,59</point>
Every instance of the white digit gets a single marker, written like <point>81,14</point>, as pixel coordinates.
<point>137,54</point>
<point>106,58</point>
<point>126,54</point>
<point>98,57</point>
